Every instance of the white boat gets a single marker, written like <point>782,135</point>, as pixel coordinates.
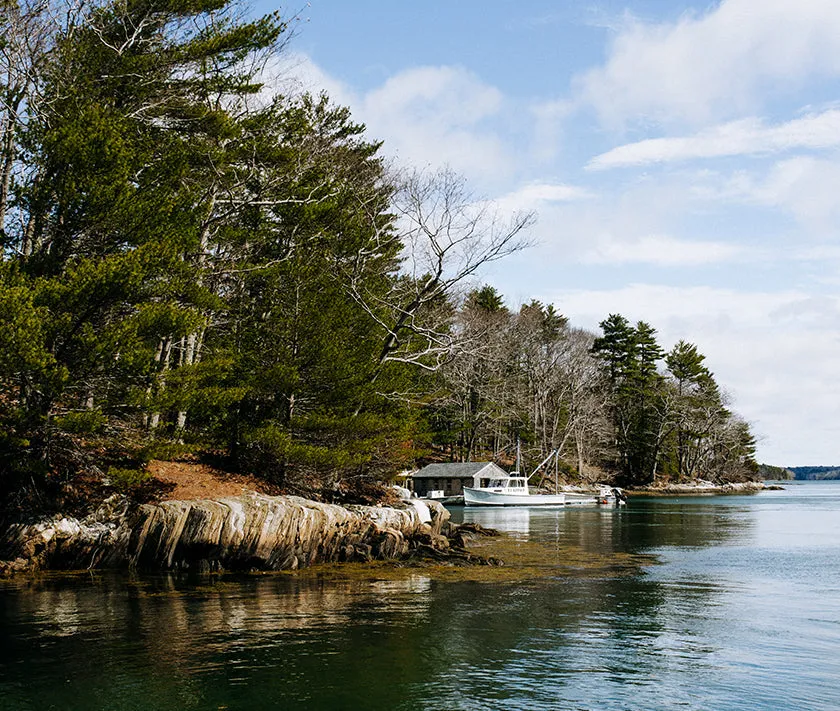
<point>509,491</point>
<point>513,491</point>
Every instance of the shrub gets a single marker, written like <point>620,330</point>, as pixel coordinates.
<point>87,422</point>
<point>127,480</point>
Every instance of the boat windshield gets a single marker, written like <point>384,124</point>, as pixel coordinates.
<point>509,483</point>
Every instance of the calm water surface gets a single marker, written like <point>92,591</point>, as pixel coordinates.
<point>734,605</point>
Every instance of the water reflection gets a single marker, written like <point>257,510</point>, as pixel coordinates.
<point>646,523</point>
<point>710,625</point>
<point>382,641</point>
<point>199,641</point>
<point>509,519</point>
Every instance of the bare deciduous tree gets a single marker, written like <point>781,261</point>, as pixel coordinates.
<point>447,236</point>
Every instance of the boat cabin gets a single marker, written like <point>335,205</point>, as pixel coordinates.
<point>511,484</point>
<point>450,478</point>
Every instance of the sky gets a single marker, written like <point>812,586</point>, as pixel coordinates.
<point>683,160</point>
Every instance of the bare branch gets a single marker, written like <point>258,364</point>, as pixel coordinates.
<point>447,236</point>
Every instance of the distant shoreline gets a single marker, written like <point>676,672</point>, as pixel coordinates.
<point>701,488</point>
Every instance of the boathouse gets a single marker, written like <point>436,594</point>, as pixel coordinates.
<point>451,477</point>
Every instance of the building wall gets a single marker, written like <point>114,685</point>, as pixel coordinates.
<point>451,486</point>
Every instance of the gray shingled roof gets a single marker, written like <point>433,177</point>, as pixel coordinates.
<point>456,470</point>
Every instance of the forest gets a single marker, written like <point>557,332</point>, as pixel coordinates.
<point>195,264</point>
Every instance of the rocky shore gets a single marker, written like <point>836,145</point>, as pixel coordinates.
<point>248,532</point>
<point>698,487</point>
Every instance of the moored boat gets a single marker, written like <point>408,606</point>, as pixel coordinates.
<point>509,491</point>
<point>606,496</point>
<point>513,490</point>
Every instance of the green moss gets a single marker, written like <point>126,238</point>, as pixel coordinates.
<point>523,560</point>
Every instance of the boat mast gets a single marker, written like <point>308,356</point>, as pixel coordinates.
<point>518,457</point>
<point>543,463</point>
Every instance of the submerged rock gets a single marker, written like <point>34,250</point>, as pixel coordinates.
<point>248,532</point>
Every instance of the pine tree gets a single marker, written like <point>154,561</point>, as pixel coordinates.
<point>640,419</point>
<point>112,206</point>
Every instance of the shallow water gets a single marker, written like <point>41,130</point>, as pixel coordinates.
<point>695,603</point>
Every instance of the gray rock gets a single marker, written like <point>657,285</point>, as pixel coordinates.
<point>249,532</point>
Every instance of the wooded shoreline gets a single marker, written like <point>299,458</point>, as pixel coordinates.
<point>187,271</point>
<point>254,532</point>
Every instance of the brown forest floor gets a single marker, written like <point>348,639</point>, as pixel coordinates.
<point>191,480</point>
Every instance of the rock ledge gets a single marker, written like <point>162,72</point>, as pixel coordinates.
<point>248,532</point>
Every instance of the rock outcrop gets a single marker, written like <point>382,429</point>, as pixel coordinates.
<point>699,486</point>
<point>249,532</point>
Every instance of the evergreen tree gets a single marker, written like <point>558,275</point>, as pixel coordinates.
<point>112,205</point>
<point>695,389</point>
<point>709,440</point>
<point>630,356</point>
<point>303,352</point>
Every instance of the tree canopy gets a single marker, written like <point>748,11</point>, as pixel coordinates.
<point>191,261</point>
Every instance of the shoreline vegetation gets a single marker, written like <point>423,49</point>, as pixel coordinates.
<point>241,530</point>
<point>199,270</point>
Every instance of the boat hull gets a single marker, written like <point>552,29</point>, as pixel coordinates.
<point>483,497</point>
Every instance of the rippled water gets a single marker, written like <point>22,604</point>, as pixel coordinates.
<point>730,603</point>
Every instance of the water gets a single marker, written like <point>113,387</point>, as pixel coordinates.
<point>695,603</point>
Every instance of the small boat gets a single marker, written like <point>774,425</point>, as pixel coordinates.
<point>606,496</point>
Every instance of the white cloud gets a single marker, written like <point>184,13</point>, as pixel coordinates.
<point>747,136</point>
<point>538,195</point>
<point>654,221</point>
<point>449,95</point>
<point>427,116</point>
<point>295,73</point>
<point>548,117</point>
<point>716,64</point>
<point>804,186</point>
<point>440,115</point>
<point>678,308</point>
<point>660,250</point>
<point>818,254</point>
<point>774,351</point>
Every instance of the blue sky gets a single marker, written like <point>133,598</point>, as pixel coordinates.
<point>683,159</point>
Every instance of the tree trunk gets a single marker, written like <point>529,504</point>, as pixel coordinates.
<point>162,355</point>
